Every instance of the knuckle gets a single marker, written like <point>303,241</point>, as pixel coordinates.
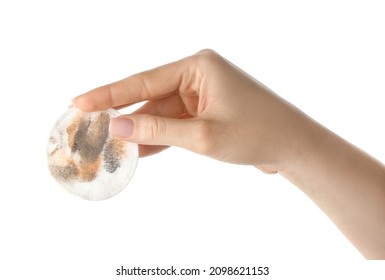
<point>154,129</point>
<point>206,57</point>
<point>112,94</point>
<point>140,86</point>
<point>207,52</point>
<point>144,86</point>
<point>198,65</point>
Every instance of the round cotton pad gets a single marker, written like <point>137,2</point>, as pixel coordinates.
<point>85,159</point>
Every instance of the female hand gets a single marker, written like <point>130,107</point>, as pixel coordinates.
<point>205,104</point>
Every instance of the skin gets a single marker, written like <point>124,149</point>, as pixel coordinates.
<point>205,104</point>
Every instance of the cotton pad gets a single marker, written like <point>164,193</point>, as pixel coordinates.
<point>85,159</point>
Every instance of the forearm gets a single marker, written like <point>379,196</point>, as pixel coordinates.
<point>345,182</point>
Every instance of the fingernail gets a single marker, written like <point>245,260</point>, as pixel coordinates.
<point>121,127</point>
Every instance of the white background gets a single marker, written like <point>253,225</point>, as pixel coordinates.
<point>181,209</point>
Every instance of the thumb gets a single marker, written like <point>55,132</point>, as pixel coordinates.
<point>191,134</point>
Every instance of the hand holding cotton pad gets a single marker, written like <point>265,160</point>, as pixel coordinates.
<point>85,159</point>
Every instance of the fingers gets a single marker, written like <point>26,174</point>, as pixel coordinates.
<point>171,107</point>
<point>153,84</point>
<point>191,134</point>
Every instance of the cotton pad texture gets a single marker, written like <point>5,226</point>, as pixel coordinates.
<point>85,159</point>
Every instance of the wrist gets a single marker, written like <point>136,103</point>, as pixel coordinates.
<point>308,142</point>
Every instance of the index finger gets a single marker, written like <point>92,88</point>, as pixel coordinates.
<point>152,84</point>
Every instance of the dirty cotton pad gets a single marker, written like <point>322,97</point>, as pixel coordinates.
<point>85,159</point>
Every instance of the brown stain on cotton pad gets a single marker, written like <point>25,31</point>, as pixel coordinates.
<point>66,172</point>
<point>89,170</point>
<point>87,137</point>
<point>90,137</point>
<point>114,152</point>
<point>85,159</point>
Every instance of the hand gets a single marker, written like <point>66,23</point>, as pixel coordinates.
<point>205,104</point>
